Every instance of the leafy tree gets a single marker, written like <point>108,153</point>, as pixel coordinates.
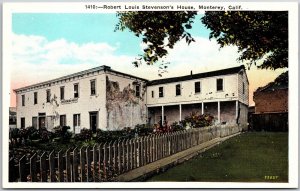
<point>159,30</point>
<point>257,34</point>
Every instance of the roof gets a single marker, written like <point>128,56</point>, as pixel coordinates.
<point>281,82</point>
<point>96,69</point>
<point>226,71</point>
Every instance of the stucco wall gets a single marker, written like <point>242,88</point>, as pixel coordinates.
<point>124,108</point>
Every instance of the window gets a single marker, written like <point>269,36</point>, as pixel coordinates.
<point>34,122</point>
<point>243,88</point>
<point>197,87</point>
<point>23,100</point>
<point>220,84</point>
<point>152,94</point>
<point>22,122</point>
<point>93,87</point>
<point>62,120</point>
<point>35,95</point>
<point>62,93</point>
<point>161,91</point>
<point>76,91</point>
<point>76,120</point>
<point>137,90</point>
<point>48,95</point>
<point>178,90</point>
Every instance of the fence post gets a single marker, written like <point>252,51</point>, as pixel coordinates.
<point>43,167</point>
<point>140,151</point>
<point>75,165</point>
<point>110,159</point>
<point>148,153</point>
<point>100,161</point>
<point>105,157</point>
<point>135,141</point>
<point>82,164</point>
<point>119,157</point>
<point>68,164</point>
<point>114,157</point>
<point>60,166</point>
<point>123,163</point>
<point>129,155</point>
<point>151,149</point>
<point>22,169</point>
<point>94,166</point>
<point>88,164</point>
<point>52,167</point>
<point>33,168</point>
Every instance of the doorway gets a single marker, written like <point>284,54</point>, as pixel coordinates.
<point>42,120</point>
<point>94,121</point>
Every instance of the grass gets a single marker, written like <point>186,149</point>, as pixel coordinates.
<point>249,157</point>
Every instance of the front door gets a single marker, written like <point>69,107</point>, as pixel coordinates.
<point>93,121</point>
<point>42,120</point>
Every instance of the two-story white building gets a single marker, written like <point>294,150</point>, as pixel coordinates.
<point>96,98</point>
<point>109,100</point>
<point>223,94</point>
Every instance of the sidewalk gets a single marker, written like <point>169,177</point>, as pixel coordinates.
<point>141,173</point>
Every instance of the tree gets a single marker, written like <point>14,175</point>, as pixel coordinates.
<point>159,30</point>
<point>257,34</point>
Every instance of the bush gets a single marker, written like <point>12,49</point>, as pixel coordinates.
<point>13,133</point>
<point>84,135</point>
<point>143,130</point>
<point>195,120</point>
<point>106,136</point>
<point>177,126</point>
<point>45,135</point>
<point>62,133</point>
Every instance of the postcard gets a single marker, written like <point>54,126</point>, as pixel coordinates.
<point>150,95</point>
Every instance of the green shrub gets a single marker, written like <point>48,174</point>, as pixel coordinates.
<point>63,133</point>
<point>84,135</point>
<point>195,120</point>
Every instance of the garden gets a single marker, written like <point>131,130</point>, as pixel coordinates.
<point>31,140</point>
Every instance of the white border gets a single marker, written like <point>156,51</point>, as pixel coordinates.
<point>292,7</point>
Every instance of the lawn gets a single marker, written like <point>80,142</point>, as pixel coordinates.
<point>249,157</point>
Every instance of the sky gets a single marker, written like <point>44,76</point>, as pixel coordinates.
<point>51,45</point>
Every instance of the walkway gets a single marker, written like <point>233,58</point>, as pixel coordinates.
<point>141,173</point>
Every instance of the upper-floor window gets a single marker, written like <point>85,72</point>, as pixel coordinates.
<point>178,90</point>
<point>23,100</point>
<point>220,84</point>
<point>76,90</point>
<point>93,87</point>
<point>137,90</point>
<point>243,87</point>
<point>152,94</point>
<point>35,98</point>
<point>161,92</point>
<point>62,93</point>
<point>48,94</point>
<point>197,87</point>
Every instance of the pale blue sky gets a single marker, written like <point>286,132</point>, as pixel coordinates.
<point>83,28</point>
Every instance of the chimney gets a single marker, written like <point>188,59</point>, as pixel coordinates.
<point>191,72</point>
